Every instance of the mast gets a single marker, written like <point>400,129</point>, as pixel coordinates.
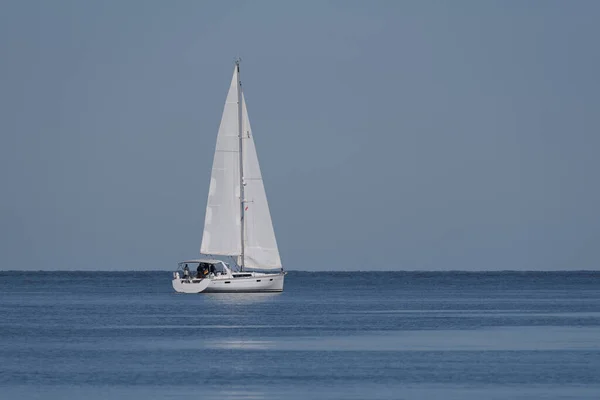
<point>240,135</point>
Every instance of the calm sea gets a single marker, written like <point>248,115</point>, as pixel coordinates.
<point>369,335</point>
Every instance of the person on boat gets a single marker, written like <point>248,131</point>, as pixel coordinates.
<point>186,272</point>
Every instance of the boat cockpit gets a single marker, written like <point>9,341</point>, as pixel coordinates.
<point>196,270</point>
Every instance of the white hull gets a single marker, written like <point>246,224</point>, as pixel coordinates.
<point>257,282</point>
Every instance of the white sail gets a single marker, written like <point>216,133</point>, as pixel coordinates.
<point>222,222</point>
<point>260,246</point>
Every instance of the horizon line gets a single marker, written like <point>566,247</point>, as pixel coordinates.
<point>317,271</point>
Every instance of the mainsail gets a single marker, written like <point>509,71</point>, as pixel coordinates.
<point>222,221</point>
<point>222,224</point>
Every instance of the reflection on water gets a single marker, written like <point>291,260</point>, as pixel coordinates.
<point>490,339</point>
<point>242,344</point>
<point>184,327</point>
<point>241,298</point>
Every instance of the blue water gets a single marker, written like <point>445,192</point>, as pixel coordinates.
<point>376,335</point>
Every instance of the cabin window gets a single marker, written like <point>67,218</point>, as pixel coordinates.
<point>258,280</point>
<point>227,281</point>
<point>217,269</point>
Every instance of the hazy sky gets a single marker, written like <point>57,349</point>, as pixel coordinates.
<point>419,135</point>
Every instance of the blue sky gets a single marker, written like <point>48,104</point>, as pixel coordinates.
<point>419,135</point>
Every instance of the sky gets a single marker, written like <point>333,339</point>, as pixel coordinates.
<point>392,135</point>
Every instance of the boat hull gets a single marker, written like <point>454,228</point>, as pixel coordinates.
<point>256,283</point>
<point>190,286</point>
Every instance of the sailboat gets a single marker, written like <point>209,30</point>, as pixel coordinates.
<point>237,223</point>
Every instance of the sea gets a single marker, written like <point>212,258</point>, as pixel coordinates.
<point>329,335</point>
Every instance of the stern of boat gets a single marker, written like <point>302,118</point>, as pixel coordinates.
<point>189,285</point>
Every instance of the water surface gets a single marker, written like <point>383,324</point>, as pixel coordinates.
<point>383,335</point>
